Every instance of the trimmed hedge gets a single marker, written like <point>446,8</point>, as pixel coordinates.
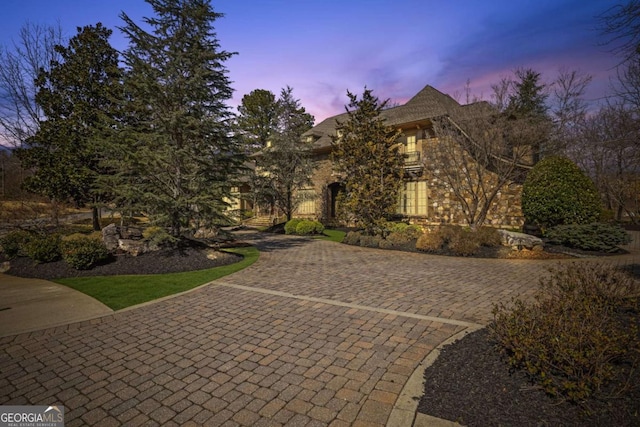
<point>303,227</point>
<point>558,192</point>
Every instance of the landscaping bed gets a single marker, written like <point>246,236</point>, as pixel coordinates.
<point>472,384</point>
<point>157,262</point>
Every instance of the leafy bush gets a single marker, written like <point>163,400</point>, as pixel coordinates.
<point>488,236</point>
<point>402,228</point>
<point>44,248</point>
<point>306,227</point>
<point>431,241</point>
<point>558,192</point>
<point>573,337</point>
<point>83,252</point>
<point>291,225</point>
<point>399,240</point>
<point>589,237</point>
<point>464,243</point>
<point>15,243</point>
<point>319,227</point>
<point>158,236</point>
<point>370,241</point>
<point>352,238</point>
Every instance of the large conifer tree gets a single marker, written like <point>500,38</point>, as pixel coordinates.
<point>78,96</point>
<point>366,152</point>
<point>181,153</point>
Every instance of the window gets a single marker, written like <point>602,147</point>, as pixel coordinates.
<point>413,198</point>
<point>307,202</point>
<point>411,144</point>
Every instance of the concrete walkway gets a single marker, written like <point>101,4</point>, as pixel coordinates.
<point>314,333</point>
<point>31,304</point>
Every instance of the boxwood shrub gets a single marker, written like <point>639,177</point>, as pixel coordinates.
<point>83,253</point>
<point>44,248</point>
<point>15,243</point>
<point>291,225</point>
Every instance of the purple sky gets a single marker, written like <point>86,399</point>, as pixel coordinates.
<point>321,48</point>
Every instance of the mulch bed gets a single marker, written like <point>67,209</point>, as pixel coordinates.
<point>159,262</point>
<point>472,384</point>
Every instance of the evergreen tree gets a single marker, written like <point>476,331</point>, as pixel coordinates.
<point>527,106</point>
<point>257,120</point>
<point>284,167</point>
<point>366,152</point>
<point>182,156</point>
<point>77,96</point>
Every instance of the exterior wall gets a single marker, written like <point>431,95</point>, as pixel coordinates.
<point>442,204</point>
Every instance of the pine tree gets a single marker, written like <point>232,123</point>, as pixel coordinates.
<point>77,96</point>
<point>182,156</point>
<point>366,152</point>
<point>284,167</point>
<point>257,120</point>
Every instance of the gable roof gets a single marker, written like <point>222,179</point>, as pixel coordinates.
<point>426,104</point>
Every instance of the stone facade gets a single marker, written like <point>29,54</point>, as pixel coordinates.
<point>427,197</point>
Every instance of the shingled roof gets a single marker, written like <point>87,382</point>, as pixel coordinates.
<point>426,104</point>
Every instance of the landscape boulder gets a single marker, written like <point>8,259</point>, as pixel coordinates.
<point>110,237</point>
<point>519,241</point>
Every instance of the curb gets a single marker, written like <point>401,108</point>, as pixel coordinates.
<point>404,412</point>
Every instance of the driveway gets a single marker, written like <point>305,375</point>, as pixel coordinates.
<point>313,333</point>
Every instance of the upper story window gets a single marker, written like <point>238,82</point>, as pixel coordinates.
<point>410,145</point>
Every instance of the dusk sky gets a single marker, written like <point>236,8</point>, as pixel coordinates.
<point>321,48</point>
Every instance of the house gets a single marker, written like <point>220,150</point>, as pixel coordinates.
<point>426,197</point>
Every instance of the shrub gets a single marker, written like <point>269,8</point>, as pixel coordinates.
<point>408,230</point>
<point>44,248</point>
<point>305,227</point>
<point>158,236</point>
<point>318,227</point>
<point>291,225</point>
<point>589,237</point>
<point>398,240</point>
<point>431,241</point>
<point>558,192</point>
<point>83,252</point>
<point>572,338</point>
<point>370,241</point>
<point>352,238</point>
<point>465,243</point>
<point>488,236</point>
<point>15,243</point>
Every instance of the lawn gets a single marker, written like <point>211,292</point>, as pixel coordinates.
<point>118,292</point>
<point>332,235</point>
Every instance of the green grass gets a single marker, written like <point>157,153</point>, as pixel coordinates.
<point>118,292</point>
<point>332,235</point>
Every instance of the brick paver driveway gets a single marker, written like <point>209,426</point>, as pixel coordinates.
<point>314,333</point>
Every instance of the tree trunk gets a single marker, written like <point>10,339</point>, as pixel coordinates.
<point>95,216</point>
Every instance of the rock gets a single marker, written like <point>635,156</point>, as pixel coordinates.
<point>521,240</point>
<point>206,233</point>
<point>4,266</point>
<point>133,247</point>
<point>130,233</point>
<point>110,237</point>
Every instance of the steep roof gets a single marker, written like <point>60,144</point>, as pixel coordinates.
<point>426,104</point>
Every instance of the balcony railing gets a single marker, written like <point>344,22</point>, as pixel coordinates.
<point>411,158</point>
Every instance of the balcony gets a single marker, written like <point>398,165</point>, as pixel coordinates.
<point>412,162</point>
<point>411,158</point>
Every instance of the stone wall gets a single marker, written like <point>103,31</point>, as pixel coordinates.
<point>443,205</point>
